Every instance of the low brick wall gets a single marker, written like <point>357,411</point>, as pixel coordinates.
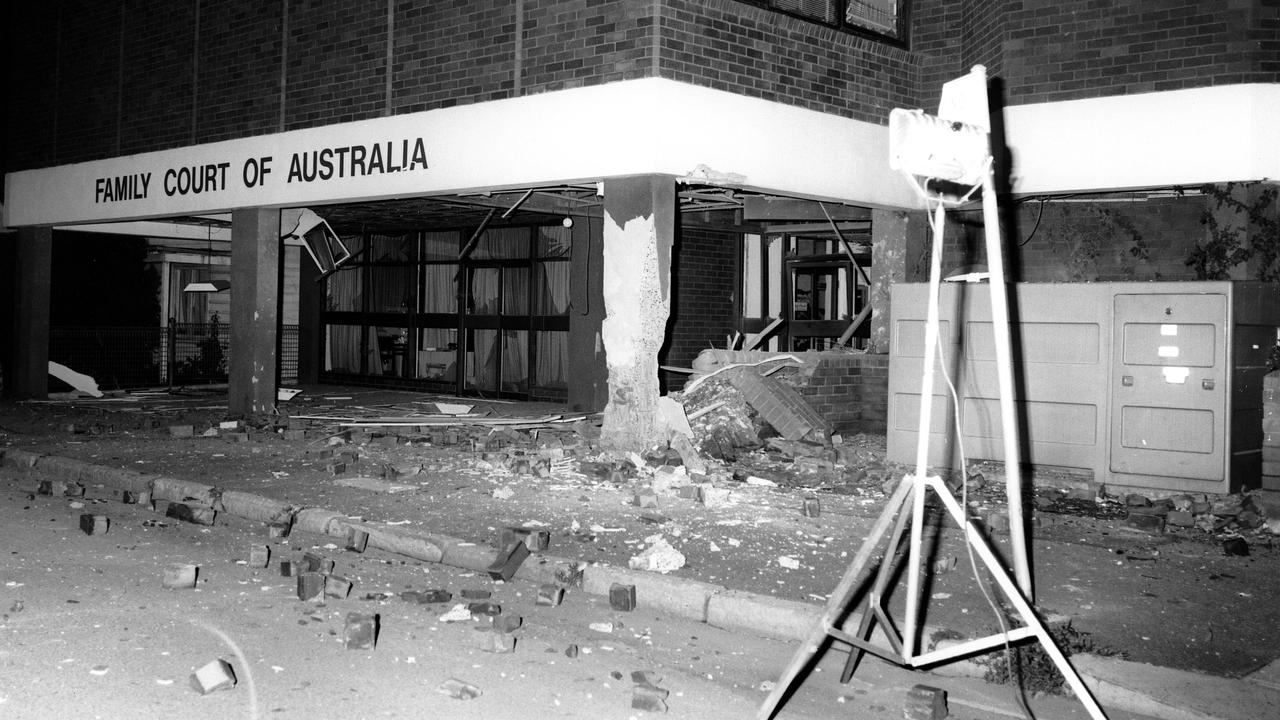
<point>850,390</point>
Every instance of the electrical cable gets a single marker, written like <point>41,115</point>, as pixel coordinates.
<point>1020,692</point>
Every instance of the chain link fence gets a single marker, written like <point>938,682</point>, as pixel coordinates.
<point>177,355</point>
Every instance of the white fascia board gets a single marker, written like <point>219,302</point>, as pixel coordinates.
<point>648,126</point>
<point>1180,137</point>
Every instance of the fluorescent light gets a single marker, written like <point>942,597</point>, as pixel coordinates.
<point>208,286</point>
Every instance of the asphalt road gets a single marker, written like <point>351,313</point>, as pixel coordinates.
<point>87,630</point>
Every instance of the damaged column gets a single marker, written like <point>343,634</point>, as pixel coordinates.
<point>639,228</point>
<point>255,289</point>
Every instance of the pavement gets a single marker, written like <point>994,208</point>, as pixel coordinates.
<point>1117,684</point>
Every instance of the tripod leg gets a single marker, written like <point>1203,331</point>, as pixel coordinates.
<point>873,598</point>
<point>839,601</point>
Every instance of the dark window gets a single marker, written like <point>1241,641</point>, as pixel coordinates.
<point>881,17</point>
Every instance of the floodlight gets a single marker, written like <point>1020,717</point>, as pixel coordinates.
<point>928,146</point>
<point>311,231</point>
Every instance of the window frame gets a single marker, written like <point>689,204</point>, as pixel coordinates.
<point>839,11</point>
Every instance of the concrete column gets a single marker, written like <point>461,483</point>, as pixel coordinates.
<point>28,368</point>
<point>897,238</point>
<point>255,285</point>
<point>639,230</point>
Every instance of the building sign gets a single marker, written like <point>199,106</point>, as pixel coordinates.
<point>305,166</point>
<point>568,136</point>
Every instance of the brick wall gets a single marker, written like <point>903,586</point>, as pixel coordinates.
<point>849,390</point>
<point>238,91</point>
<point>92,80</point>
<point>158,107</point>
<point>1056,50</point>
<point>452,53</point>
<point>748,50</point>
<point>704,280</point>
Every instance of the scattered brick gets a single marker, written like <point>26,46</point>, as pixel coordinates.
<point>550,595</point>
<point>1149,521</point>
<point>924,702</point>
<point>94,524</point>
<point>649,698</point>
<point>357,540</point>
<point>182,431</point>
<point>214,676</point>
<point>259,556</point>
<point>426,597</point>
<point>496,642</point>
<point>622,597</point>
<point>311,562</point>
<point>196,514</point>
<point>645,499</point>
<point>506,623</point>
<point>361,631</point>
<point>811,507</point>
<point>508,561</point>
<point>571,652</point>
<point>484,609</point>
<point>475,594</point>
<point>179,576</point>
<point>310,586</point>
<point>288,568</point>
<point>536,540</point>
<point>279,530</point>
<point>337,587</point>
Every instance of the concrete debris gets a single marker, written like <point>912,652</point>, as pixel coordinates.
<point>458,689</point>
<point>659,557</point>
<point>213,676</point>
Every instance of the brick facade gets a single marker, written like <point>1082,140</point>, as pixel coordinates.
<point>705,280</point>
<point>95,80</point>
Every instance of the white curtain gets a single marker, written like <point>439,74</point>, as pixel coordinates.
<point>515,360</point>
<point>484,291</point>
<point>343,353</point>
<point>553,295</point>
<point>552,359</point>
<point>439,291</point>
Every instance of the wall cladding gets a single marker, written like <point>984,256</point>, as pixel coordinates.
<point>702,305</point>
<point>747,50</point>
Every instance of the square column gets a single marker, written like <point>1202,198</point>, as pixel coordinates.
<point>255,291</point>
<point>27,372</point>
<point>639,231</point>
<point>898,240</point>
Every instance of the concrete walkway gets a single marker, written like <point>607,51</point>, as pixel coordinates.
<point>1117,684</point>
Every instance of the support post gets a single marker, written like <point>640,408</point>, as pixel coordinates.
<point>639,230</point>
<point>28,371</point>
<point>255,284</point>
